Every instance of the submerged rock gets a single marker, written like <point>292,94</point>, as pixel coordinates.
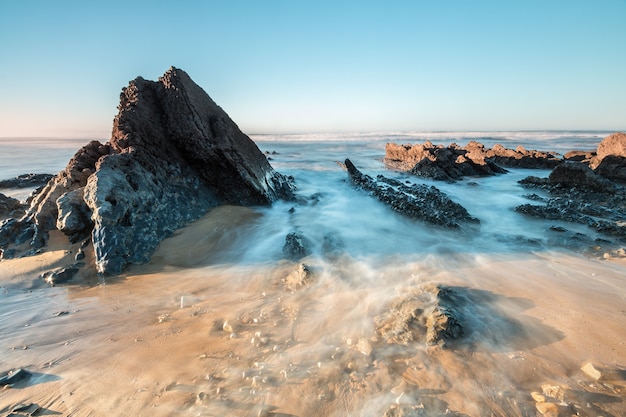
<point>417,201</point>
<point>295,246</point>
<point>173,154</point>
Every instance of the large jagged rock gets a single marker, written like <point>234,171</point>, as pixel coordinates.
<point>173,154</point>
<point>417,201</point>
<point>454,162</point>
<point>610,159</point>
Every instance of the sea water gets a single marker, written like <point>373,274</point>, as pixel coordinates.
<point>522,329</point>
<point>333,210</point>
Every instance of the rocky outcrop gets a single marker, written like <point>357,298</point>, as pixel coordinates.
<point>454,162</point>
<point>417,201</point>
<point>173,154</point>
<point>26,181</point>
<point>10,207</point>
<point>579,195</point>
<point>610,159</point>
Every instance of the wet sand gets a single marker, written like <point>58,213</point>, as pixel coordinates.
<point>195,332</point>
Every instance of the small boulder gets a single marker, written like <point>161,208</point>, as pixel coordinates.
<point>295,246</point>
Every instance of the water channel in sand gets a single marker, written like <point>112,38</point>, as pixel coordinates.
<point>214,325</point>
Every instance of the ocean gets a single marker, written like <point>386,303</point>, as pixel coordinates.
<point>220,323</point>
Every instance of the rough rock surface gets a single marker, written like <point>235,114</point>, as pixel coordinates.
<point>579,195</point>
<point>610,159</point>
<point>454,162</point>
<point>432,315</point>
<point>173,154</point>
<point>295,246</point>
<point>417,201</point>
<point>10,207</point>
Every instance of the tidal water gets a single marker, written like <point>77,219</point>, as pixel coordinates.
<point>336,214</point>
<point>154,342</point>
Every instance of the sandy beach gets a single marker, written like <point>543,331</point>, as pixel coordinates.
<point>205,336</point>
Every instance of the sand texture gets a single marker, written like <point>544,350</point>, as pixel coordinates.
<point>196,332</point>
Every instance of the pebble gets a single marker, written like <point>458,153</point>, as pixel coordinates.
<point>548,409</point>
<point>591,371</point>
<point>228,327</point>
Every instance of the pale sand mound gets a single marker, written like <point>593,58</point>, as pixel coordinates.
<point>134,347</point>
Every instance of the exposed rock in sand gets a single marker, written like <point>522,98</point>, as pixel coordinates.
<point>454,162</point>
<point>432,315</point>
<point>173,155</point>
<point>417,201</point>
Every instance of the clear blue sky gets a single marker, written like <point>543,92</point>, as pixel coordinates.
<point>320,66</point>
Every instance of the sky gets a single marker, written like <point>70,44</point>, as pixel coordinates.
<point>320,66</point>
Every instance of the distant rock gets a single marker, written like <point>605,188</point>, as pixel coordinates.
<point>454,162</point>
<point>610,159</point>
<point>417,201</point>
<point>579,156</point>
<point>440,163</point>
<point>173,154</point>
<point>26,181</point>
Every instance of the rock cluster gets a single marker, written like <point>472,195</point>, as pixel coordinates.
<point>454,162</point>
<point>417,201</point>
<point>173,154</point>
<point>587,194</point>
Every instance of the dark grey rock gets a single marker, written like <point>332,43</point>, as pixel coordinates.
<point>574,174</point>
<point>59,275</point>
<point>10,207</point>
<point>295,246</point>
<point>26,181</point>
<point>418,201</point>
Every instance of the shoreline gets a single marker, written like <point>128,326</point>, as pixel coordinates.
<point>548,314</point>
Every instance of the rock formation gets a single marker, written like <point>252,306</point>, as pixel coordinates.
<point>26,181</point>
<point>581,195</point>
<point>417,201</point>
<point>10,207</point>
<point>610,159</point>
<point>453,162</point>
<point>173,154</point>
